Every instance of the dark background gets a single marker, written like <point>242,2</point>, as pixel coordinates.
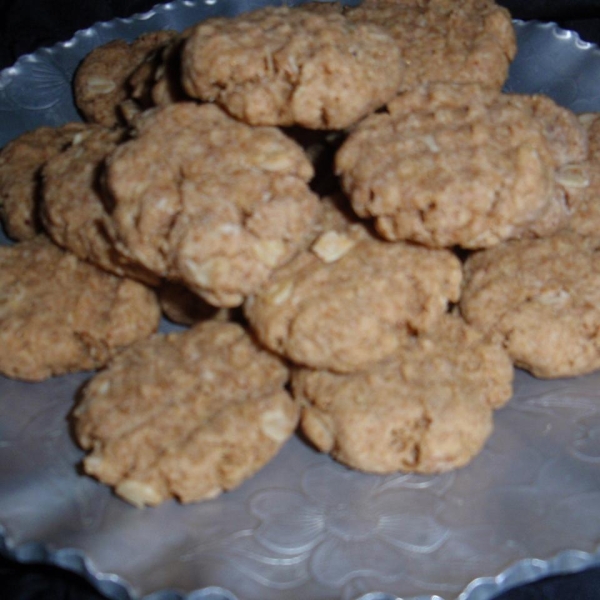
<point>25,25</point>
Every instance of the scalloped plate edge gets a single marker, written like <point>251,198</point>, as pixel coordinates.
<point>116,588</point>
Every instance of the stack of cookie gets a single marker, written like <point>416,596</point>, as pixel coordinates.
<point>360,230</point>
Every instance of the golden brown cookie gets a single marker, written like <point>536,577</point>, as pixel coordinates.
<point>445,40</point>
<point>74,207</point>
<point>100,82</point>
<point>351,299</point>
<point>59,314</point>
<point>541,299</point>
<point>186,415</point>
<point>427,408</point>
<point>461,165</point>
<point>285,66</point>
<point>21,161</point>
<point>208,201</point>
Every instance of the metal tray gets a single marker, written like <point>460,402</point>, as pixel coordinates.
<point>305,526</point>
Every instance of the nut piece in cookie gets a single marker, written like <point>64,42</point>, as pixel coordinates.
<point>286,66</point>
<point>427,408</point>
<point>59,314</point>
<point>208,201</point>
<point>73,208</point>
<point>445,40</point>
<point>21,161</point>
<point>461,165</point>
<point>185,415</point>
<point>541,299</point>
<point>100,83</point>
<point>351,299</point>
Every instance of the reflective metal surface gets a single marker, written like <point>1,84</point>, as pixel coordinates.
<point>305,526</point>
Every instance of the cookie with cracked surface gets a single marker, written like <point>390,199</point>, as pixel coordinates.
<point>445,40</point>
<point>74,208</point>
<point>461,165</point>
<point>186,415</point>
<point>21,161</point>
<point>351,299</point>
<point>59,314</point>
<point>100,82</point>
<point>210,202</point>
<point>427,408</point>
<point>286,66</point>
<point>539,298</point>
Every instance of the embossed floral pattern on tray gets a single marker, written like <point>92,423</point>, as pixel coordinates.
<point>305,526</point>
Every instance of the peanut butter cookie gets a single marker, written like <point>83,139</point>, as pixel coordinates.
<point>210,202</point>
<point>59,314</point>
<point>186,415</point>
<point>427,408</point>
<point>285,66</point>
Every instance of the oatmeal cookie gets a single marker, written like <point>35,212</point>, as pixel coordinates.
<point>186,415</point>
<point>73,208</point>
<point>59,314</point>
<point>540,299</point>
<point>285,66</point>
<point>461,165</point>
<point>21,161</point>
<point>351,299</point>
<point>445,40</point>
<point>427,408</point>
<point>100,82</point>
<point>210,202</point>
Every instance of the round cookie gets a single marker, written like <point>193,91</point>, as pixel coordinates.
<point>208,201</point>
<point>427,408</point>
<point>74,209</point>
<point>352,299</point>
<point>59,314</point>
<point>100,82</point>
<point>445,40</point>
<point>541,299</point>
<point>186,415</point>
<point>21,161</point>
<point>461,165</point>
<point>285,66</point>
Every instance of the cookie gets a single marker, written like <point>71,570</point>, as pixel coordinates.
<point>59,314</point>
<point>427,408</point>
<point>100,82</point>
<point>74,208</point>
<point>210,202</point>
<point>445,40</point>
<point>541,299</point>
<point>286,66</point>
<point>461,165</point>
<point>186,415</point>
<point>351,299</point>
<point>20,163</point>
